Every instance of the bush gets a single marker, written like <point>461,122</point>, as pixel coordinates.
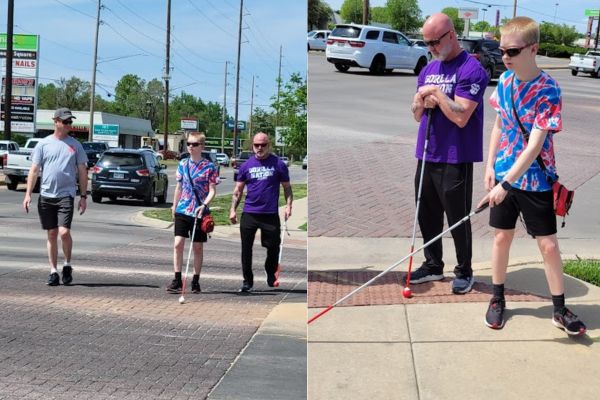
<point>559,50</point>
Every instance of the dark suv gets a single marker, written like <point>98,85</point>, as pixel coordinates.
<point>239,160</point>
<point>129,173</point>
<point>94,151</point>
<point>488,54</point>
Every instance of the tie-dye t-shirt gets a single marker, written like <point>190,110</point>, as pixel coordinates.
<point>538,103</point>
<point>203,173</point>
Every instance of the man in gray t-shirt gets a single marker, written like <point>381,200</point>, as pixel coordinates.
<point>62,162</point>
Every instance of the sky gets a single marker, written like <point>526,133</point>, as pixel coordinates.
<point>204,34</point>
<point>569,12</point>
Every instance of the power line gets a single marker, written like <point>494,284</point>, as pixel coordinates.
<point>211,20</point>
<point>75,9</point>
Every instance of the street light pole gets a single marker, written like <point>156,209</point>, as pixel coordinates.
<point>555,11</point>
<point>237,83</point>
<point>166,77</point>
<point>9,74</point>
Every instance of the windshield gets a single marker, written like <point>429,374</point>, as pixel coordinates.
<point>121,160</point>
<point>346,31</point>
<point>467,45</point>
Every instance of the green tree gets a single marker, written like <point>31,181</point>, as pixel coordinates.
<point>557,34</point>
<point>352,11</point>
<point>47,96</point>
<point>459,23</point>
<point>292,114</point>
<point>482,26</point>
<point>73,93</point>
<point>319,14</point>
<point>129,96</point>
<point>404,15</point>
<point>380,14</point>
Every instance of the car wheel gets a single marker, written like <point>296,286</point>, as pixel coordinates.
<point>388,70</point>
<point>11,184</point>
<point>574,72</point>
<point>420,65</point>
<point>342,67</point>
<point>378,65</point>
<point>96,198</point>
<point>149,198</point>
<point>594,74</point>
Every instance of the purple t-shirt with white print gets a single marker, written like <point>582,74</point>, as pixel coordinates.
<point>463,76</point>
<point>262,179</point>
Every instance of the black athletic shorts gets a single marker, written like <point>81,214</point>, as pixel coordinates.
<point>537,209</point>
<point>55,212</point>
<point>184,225</point>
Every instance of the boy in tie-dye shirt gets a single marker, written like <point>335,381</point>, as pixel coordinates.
<point>516,182</point>
<point>196,187</point>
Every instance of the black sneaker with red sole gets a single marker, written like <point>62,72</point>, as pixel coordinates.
<point>568,322</point>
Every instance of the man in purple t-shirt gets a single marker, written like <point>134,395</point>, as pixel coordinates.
<point>452,86</point>
<point>262,175</point>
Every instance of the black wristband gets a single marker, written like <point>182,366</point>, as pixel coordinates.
<point>83,196</point>
<point>505,185</point>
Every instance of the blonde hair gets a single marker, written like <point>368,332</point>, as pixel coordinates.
<point>527,28</point>
<point>198,135</point>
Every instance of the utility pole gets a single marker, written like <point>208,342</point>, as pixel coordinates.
<point>279,91</point>
<point>597,33</point>
<point>9,67</point>
<point>94,66</point>
<point>166,77</point>
<point>224,114</point>
<point>251,107</point>
<point>365,19</point>
<point>237,84</point>
<point>515,9</point>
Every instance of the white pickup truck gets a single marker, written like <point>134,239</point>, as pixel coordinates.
<point>18,164</point>
<point>588,63</point>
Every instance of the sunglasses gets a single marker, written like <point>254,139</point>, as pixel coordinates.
<point>260,144</point>
<point>435,42</point>
<point>513,51</point>
<point>193,144</point>
<point>67,122</point>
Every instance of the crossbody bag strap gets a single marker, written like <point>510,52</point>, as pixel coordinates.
<point>198,202</point>
<point>523,130</point>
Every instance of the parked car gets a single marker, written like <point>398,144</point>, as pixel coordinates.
<point>285,160</point>
<point>223,159</point>
<point>17,164</point>
<point>6,146</point>
<point>420,43</point>
<point>588,63</point>
<point>305,162</point>
<point>487,52</point>
<point>94,151</point>
<point>376,48</point>
<point>317,40</point>
<point>129,173</point>
<point>236,162</point>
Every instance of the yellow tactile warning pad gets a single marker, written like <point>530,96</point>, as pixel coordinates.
<point>325,288</point>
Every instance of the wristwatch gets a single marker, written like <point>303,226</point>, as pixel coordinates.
<point>83,196</point>
<point>505,185</point>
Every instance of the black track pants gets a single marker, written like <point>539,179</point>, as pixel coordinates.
<point>447,188</point>
<point>269,225</point>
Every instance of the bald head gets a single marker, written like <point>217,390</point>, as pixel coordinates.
<point>438,32</point>
<point>437,24</point>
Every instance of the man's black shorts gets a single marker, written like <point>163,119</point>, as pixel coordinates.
<point>537,209</point>
<point>55,212</point>
<point>184,225</point>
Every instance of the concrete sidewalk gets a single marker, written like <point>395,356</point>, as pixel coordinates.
<point>436,346</point>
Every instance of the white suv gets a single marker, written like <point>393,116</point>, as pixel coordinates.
<point>379,49</point>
